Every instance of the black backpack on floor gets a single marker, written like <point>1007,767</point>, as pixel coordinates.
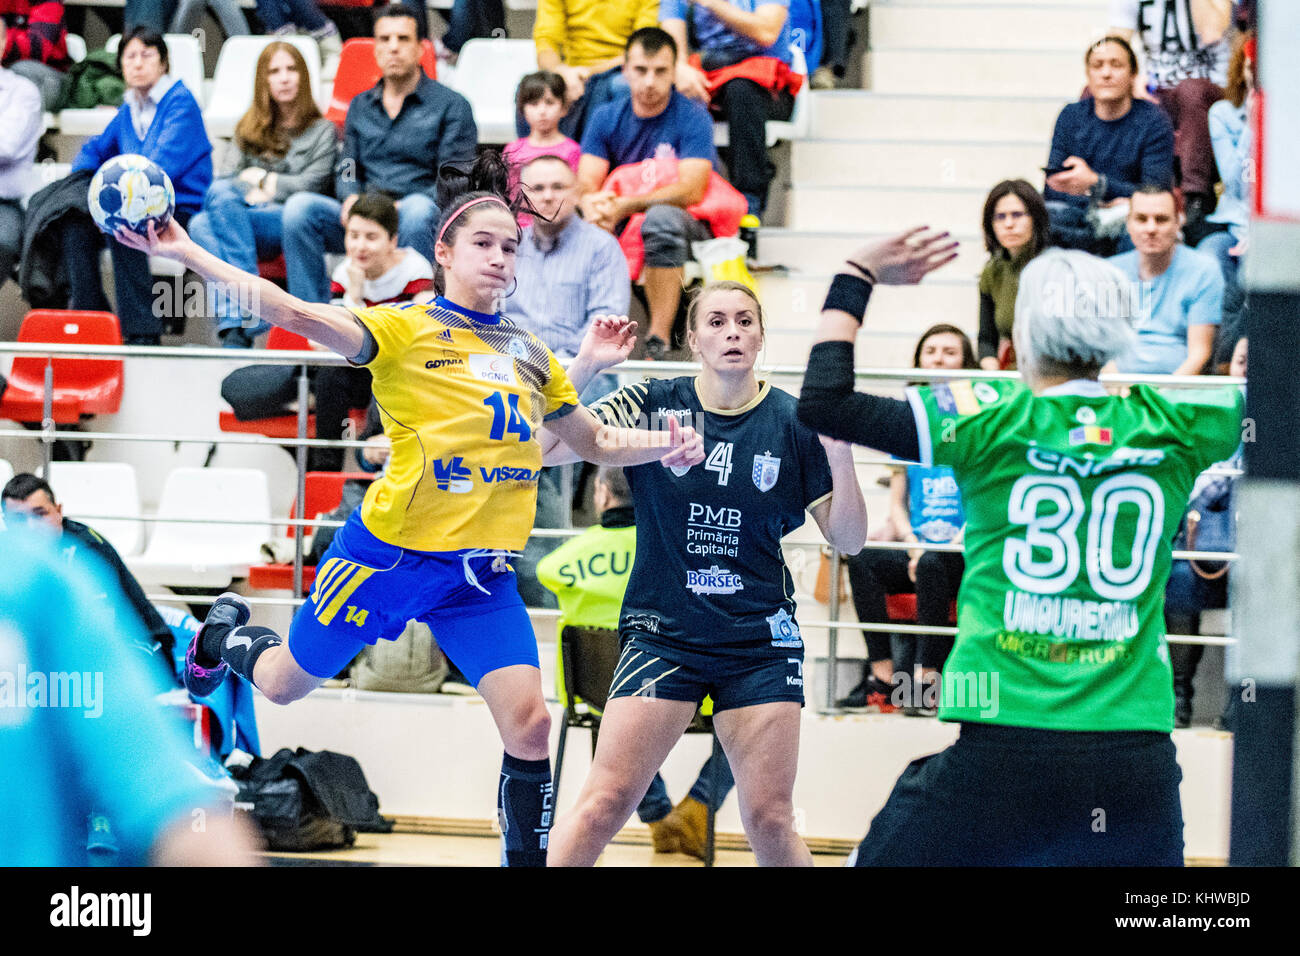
<point>309,800</point>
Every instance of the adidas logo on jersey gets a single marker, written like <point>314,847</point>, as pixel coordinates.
<point>445,335</point>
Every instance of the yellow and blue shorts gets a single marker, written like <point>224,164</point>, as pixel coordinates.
<point>366,590</point>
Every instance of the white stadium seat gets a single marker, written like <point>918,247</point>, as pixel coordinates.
<point>6,472</point>
<point>487,74</point>
<point>88,489</point>
<point>232,83</point>
<point>194,554</point>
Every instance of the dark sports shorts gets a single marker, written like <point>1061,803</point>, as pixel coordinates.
<point>1018,796</point>
<point>366,590</point>
<point>649,670</point>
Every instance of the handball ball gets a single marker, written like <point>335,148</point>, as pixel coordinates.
<point>131,191</point>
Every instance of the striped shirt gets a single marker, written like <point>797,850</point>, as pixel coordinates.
<point>561,289</point>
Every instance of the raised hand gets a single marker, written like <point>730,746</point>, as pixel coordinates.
<point>609,341</point>
<point>907,258</point>
<point>686,446</point>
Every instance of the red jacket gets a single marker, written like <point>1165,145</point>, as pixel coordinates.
<point>767,71</point>
<point>722,206</point>
<point>36,32</point>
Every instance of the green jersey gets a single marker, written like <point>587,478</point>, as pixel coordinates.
<point>1072,500</point>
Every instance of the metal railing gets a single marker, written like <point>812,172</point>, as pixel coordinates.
<point>49,434</point>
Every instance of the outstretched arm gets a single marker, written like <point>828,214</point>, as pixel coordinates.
<point>606,445</point>
<point>333,327</point>
<point>607,342</point>
<point>827,402</point>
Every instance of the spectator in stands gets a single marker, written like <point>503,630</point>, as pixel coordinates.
<point>28,499</point>
<point>837,41</point>
<point>283,18</point>
<point>131,763</point>
<point>654,122</point>
<point>924,508</point>
<point>743,73</point>
<point>396,138</point>
<point>1015,230</point>
<point>184,16</point>
<point>35,45</point>
<point>20,133</point>
<point>1198,586</point>
<point>1186,50</point>
<point>469,20</point>
<point>1231,135</point>
<point>285,147</point>
<point>1180,290</point>
<point>569,272</point>
<point>589,575</point>
<point>161,120</point>
<point>375,271</point>
<point>586,43</point>
<point>540,100</point>
<point>1102,149</point>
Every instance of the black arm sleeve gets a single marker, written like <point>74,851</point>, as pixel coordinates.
<point>988,337</point>
<point>829,405</point>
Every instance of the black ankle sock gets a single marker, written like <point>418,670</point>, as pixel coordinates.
<point>208,653</point>
<point>524,810</point>
<point>244,645</point>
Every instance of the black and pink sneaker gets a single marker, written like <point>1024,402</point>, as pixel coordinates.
<point>228,611</point>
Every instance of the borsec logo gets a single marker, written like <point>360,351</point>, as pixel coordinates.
<point>713,581</point>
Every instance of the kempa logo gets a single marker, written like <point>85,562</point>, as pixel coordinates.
<point>713,581</point>
<point>74,909</point>
<point>77,690</point>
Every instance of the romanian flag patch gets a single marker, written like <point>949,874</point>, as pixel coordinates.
<point>1089,435</point>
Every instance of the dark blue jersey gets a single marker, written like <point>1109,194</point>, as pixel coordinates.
<point>709,576</point>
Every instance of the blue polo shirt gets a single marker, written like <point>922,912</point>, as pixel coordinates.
<point>682,131</point>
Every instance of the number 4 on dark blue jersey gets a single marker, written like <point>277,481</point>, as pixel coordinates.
<point>507,420</point>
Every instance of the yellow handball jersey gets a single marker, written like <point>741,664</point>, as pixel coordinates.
<point>461,395</point>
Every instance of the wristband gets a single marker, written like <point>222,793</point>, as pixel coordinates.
<point>849,294</point>
<point>866,273</point>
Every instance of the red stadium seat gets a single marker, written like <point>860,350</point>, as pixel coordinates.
<point>901,609</point>
<point>324,491</point>
<point>358,72</point>
<point>283,426</point>
<point>82,386</point>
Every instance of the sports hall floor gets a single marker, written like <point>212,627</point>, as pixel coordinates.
<point>424,849</point>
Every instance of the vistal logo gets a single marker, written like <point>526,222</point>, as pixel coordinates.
<point>504,473</point>
<point>493,368</point>
<point>713,581</point>
<point>453,476</point>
